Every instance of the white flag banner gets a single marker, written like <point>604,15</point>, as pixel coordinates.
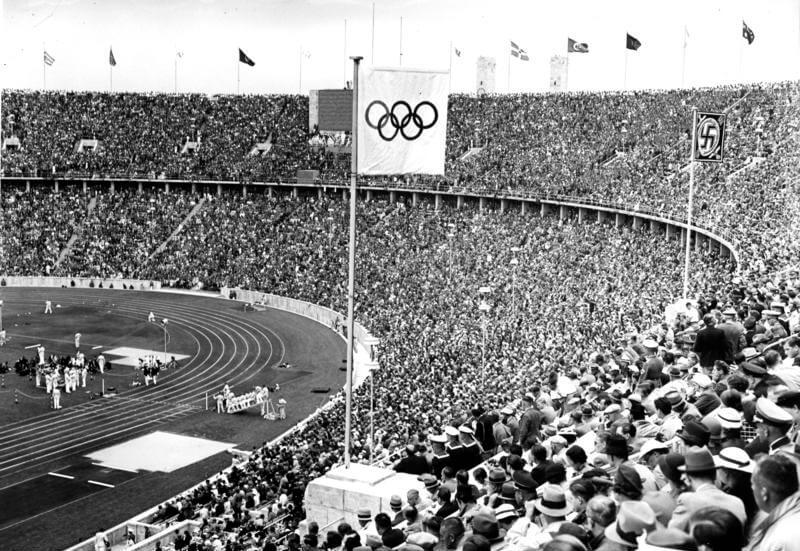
<point>402,121</point>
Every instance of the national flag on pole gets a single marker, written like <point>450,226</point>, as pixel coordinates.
<point>111,60</point>
<point>631,42</point>
<point>402,121</point>
<point>747,33</point>
<point>516,51</point>
<point>244,59</point>
<point>709,137</point>
<point>458,52</point>
<point>179,53</point>
<point>577,47</point>
<point>48,59</point>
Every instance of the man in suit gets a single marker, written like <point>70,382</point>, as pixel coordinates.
<point>530,423</point>
<point>702,473</point>
<point>711,344</point>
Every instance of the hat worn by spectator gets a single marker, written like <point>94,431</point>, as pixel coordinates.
<point>633,519</point>
<point>729,418</point>
<point>698,461</point>
<point>450,430</point>
<point>771,313</point>
<point>695,433</point>
<point>429,481</point>
<point>789,399</point>
<point>466,429</point>
<point>729,312</point>
<point>509,492</point>
<point>523,480</point>
<point>662,504</point>
<point>364,514</point>
<point>395,502</point>
<point>676,400</point>
<point>438,438</point>
<point>505,511</point>
<point>613,408</point>
<point>707,402</point>
<point>508,410</point>
<point>652,445</point>
<point>627,481</point>
<point>670,465</point>
<point>485,524</point>
<point>702,380</point>
<point>553,502</point>
<point>588,411</point>
<point>635,397</point>
<point>650,344</point>
<point>497,476</point>
<point>667,539</point>
<point>735,459</point>
<point>753,370</point>
<point>770,413</point>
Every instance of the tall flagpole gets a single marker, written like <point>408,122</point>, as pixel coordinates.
<point>625,76</point>
<point>401,41</point>
<point>372,53</point>
<point>450,71</point>
<point>566,76</point>
<point>344,56</point>
<point>689,212</point>
<point>683,62</point>
<point>351,271</point>
<point>175,73</point>
<point>510,59</point>
<point>44,70</point>
<point>238,69</point>
<point>300,83</point>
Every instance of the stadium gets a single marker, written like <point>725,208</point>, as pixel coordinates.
<point>226,324</point>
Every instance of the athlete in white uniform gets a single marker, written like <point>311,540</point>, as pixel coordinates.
<point>77,340</point>
<point>48,307</point>
<point>56,398</point>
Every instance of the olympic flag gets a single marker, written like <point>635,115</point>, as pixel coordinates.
<point>402,121</point>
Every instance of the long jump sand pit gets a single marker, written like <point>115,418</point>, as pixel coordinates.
<point>158,451</point>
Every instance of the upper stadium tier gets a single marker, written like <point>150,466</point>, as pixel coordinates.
<point>624,149</point>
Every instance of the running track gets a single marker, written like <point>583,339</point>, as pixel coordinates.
<point>230,349</point>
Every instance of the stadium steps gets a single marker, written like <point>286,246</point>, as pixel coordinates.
<point>74,237</point>
<point>178,230</point>
<point>470,153</point>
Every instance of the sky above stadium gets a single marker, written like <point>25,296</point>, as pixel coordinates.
<point>299,45</point>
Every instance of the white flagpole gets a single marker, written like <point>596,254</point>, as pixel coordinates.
<point>689,211</point>
<point>683,62</point>
<point>625,76</point>
<point>510,59</point>
<point>44,70</point>
<point>300,84</point>
<point>238,69</point>
<point>176,74</point>
<point>401,41</point>
<point>344,56</point>
<point>566,76</point>
<point>351,271</point>
<point>372,53</point>
<point>450,70</point>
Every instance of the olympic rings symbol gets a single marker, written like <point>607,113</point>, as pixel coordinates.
<point>396,120</point>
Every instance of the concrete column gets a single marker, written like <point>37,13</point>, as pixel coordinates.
<point>344,194</point>
<point>166,187</point>
<point>294,192</point>
<point>319,194</point>
<point>562,212</point>
<point>618,221</point>
<point>503,205</point>
<point>219,190</point>
<point>653,226</point>
<point>194,187</point>
<point>55,186</point>
<point>581,214</point>
<point>600,216</point>
<point>459,201</point>
<point>698,241</point>
<point>392,197</point>
<point>482,204</point>
<point>415,198</point>
<point>111,187</point>
<point>670,229</point>
<point>724,251</point>
<point>85,186</point>
<point>27,186</point>
<point>542,210</point>
<point>140,187</point>
<point>244,191</point>
<point>437,201</point>
<point>523,207</point>
<point>683,237</point>
<point>369,195</point>
<point>637,222</point>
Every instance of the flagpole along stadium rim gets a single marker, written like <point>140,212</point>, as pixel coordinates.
<point>406,70</point>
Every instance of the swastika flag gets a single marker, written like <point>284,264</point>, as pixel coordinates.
<point>709,137</point>
<point>402,121</point>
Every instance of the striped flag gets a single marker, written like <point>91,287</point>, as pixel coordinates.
<point>111,59</point>
<point>747,33</point>
<point>516,51</point>
<point>48,59</point>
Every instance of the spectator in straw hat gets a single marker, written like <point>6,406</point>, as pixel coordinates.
<point>734,471</point>
<point>667,539</point>
<point>701,474</point>
<point>634,519</point>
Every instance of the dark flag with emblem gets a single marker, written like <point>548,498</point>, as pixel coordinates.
<point>709,137</point>
<point>632,43</point>
<point>244,59</point>
<point>747,33</point>
<point>577,47</point>
<point>111,59</point>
